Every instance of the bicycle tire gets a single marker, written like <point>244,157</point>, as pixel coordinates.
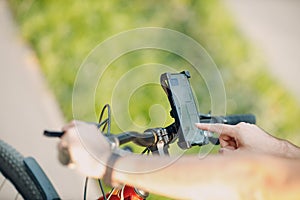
<point>13,169</point>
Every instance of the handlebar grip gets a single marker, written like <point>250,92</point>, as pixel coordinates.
<point>147,139</point>
<point>235,119</point>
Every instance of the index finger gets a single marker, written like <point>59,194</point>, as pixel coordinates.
<point>218,128</point>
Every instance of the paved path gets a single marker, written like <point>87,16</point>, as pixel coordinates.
<point>27,108</point>
<point>273,26</point>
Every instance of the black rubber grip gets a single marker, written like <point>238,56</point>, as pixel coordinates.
<point>235,119</point>
<point>145,140</point>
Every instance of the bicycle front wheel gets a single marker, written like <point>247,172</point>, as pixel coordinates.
<point>13,169</point>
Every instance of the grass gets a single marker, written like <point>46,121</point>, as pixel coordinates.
<point>62,33</point>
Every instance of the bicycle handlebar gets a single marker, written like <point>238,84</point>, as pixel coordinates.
<point>229,119</point>
<point>149,138</point>
<point>235,119</point>
<point>146,139</point>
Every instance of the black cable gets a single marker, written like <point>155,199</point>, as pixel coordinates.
<point>104,126</point>
<point>101,114</point>
<point>105,123</point>
<point>145,150</point>
<point>102,190</point>
<point>85,188</point>
<point>102,123</point>
<point>109,118</point>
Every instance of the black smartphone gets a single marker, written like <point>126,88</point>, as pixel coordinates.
<point>184,109</point>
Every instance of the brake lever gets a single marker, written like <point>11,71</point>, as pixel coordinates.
<point>53,133</point>
<point>59,134</point>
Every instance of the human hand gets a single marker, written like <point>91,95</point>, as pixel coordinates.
<point>88,149</point>
<point>243,137</point>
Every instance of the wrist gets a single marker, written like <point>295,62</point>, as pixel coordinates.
<point>111,168</point>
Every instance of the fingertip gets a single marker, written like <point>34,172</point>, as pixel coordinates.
<point>198,125</point>
<point>201,124</point>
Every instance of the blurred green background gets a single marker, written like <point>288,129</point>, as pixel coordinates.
<point>62,33</point>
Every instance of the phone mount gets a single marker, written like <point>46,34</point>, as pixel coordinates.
<point>183,109</point>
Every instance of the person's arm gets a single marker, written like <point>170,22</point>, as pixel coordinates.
<point>244,177</point>
<point>188,177</point>
<point>245,137</point>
